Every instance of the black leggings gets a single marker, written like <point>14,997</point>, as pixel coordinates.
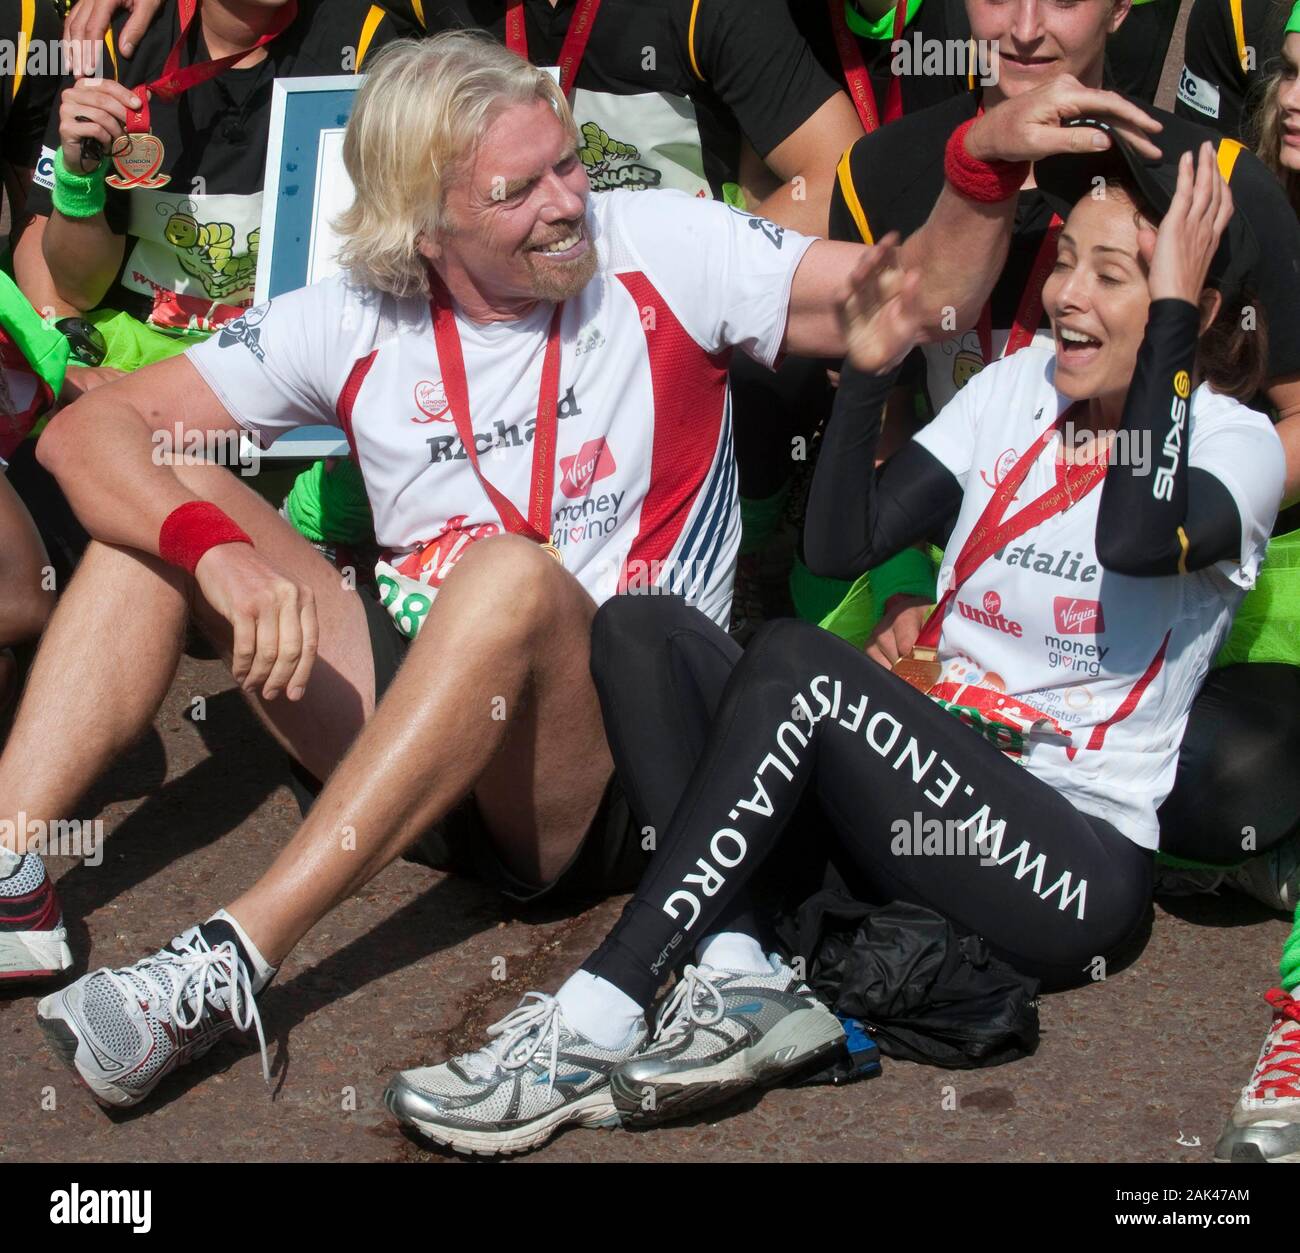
<point>1237,791</point>
<point>1051,889</point>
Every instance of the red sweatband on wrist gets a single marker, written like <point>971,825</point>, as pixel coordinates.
<point>191,529</point>
<point>985,181</point>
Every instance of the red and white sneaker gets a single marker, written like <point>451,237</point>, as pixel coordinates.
<point>1264,1126</point>
<point>33,939</point>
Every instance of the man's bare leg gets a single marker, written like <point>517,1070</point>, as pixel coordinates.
<point>495,696</point>
<point>113,644</point>
<point>103,668</point>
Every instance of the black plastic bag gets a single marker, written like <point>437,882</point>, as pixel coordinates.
<point>926,993</point>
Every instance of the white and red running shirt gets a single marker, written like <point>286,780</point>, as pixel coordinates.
<point>1115,659</point>
<point>645,481</point>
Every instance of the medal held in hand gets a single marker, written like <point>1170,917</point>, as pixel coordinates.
<point>137,160</point>
<point>921,668</point>
<point>138,155</point>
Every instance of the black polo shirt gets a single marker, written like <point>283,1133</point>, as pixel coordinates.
<point>1232,48</point>
<point>678,82</point>
<point>892,178</point>
<point>29,90</point>
<point>192,244</point>
<point>1135,54</point>
<point>934,25</point>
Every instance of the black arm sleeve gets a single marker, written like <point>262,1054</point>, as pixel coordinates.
<point>859,516</point>
<point>1146,502</point>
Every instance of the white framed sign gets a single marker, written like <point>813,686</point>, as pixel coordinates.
<point>305,189</point>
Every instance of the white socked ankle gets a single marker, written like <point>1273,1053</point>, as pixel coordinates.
<point>605,1014</point>
<point>733,950</point>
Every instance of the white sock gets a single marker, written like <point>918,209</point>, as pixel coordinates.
<point>606,1015</point>
<point>733,950</point>
<point>262,971</point>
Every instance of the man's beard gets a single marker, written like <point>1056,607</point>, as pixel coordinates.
<point>561,280</point>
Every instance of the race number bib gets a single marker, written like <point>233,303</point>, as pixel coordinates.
<point>408,587</point>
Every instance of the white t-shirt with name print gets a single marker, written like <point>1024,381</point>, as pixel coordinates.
<point>645,480</point>
<point>1115,659</point>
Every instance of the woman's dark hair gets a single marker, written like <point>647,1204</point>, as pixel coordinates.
<point>1233,353</point>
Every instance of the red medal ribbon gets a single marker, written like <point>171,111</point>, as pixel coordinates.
<point>1030,310</point>
<point>175,81</point>
<point>856,77</point>
<point>446,336</point>
<point>575,38</point>
<point>991,533</point>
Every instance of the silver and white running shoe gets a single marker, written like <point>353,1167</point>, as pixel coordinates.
<point>720,1032</point>
<point>1264,1125</point>
<point>33,939</point>
<point>123,1031</point>
<point>536,1075</point>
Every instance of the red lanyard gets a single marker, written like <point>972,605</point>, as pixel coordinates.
<point>855,70</point>
<point>575,38</point>
<point>447,338</point>
<point>174,80</point>
<point>991,533</point>
<point>1030,310</point>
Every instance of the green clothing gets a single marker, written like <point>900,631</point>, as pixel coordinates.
<point>328,504</point>
<point>1267,625</point>
<point>132,344</point>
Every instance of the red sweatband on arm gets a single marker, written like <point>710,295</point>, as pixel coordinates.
<point>985,181</point>
<point>191,529</point>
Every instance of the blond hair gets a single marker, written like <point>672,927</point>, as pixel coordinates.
<point>418,116</point>
<point>1264,132</point>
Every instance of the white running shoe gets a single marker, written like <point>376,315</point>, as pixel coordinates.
<point>1264,1125</point>
<point>536,1075</point>
<point>33,939</point>
<point>720,1032</point>
<point>123,1031</point>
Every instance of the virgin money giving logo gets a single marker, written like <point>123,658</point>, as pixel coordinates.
<point>592,463</point>
<point>1078,617</point>
<point>431,401</point>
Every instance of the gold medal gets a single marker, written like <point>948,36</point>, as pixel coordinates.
<point>920,668</point>
<point>137,160</point>
<point>551,549</point>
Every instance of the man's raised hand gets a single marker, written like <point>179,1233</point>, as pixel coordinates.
<point>881,313</point>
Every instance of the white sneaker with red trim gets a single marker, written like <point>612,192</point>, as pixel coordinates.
<point>1264,1126</point>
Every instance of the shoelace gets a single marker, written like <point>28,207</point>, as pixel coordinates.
<point>1281,1051</point>
<point>679,1009</point>
<point>522,1033</point>
<point>198,974</point>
